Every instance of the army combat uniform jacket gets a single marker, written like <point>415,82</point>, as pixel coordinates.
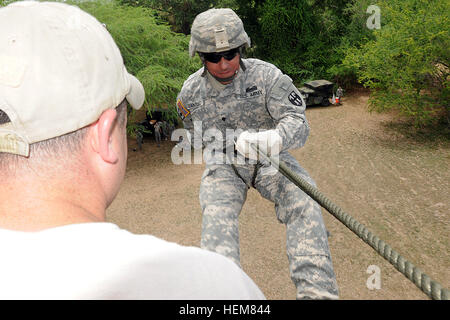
<point>259,98</point>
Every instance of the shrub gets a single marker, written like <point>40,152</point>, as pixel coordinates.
<point>406,64</point>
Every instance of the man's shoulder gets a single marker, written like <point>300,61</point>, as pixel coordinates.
<point>129,265</point>
<point>192,81</point>
<point>111,241</point>
<point>166,263</point>
<point>193,89</point>
<point>262,70</point>
<point>253,63</point>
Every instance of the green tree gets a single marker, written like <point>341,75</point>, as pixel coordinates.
<point>294,20</point>
<point>179,13</point>
<point>343,26</point>
<point>406,64</point>
<point>299,36</point>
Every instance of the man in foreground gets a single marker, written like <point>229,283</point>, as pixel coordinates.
<point>63,96</point>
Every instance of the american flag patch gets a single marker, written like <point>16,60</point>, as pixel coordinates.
<point>182,111</point>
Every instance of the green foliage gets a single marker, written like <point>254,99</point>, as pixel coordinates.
<point>248,11</point>
<point>151,51</point>
<point>179,13</point>
<point>295,22</point>
<point>299,36</point>
<point>265,21</point>
<point>5,2</point>
<point>350,32</point>
<point>406,64</point>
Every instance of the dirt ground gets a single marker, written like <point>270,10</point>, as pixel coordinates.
<point>396,185</point>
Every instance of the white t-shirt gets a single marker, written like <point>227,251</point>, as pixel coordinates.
<point>102,261</point>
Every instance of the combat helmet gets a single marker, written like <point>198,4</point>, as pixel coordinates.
<point>217,30</point>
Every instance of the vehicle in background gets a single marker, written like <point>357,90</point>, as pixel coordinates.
<point>317,92</point>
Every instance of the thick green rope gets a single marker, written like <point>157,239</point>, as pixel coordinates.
<point>430,287</point>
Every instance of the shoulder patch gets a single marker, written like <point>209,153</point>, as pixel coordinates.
<point>182,111</point>
<point>295,99</point>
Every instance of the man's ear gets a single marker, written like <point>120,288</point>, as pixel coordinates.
<point>102,135</point>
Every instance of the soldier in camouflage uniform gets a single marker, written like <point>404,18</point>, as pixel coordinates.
<point>230,92</point>
<point>139,139</point>
<point>158,131</point>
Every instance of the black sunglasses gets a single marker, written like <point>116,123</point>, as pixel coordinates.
<point>215,57</point>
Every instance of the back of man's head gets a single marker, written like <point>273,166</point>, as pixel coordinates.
<point>60,70</point>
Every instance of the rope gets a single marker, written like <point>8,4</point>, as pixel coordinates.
<point>430,287</point>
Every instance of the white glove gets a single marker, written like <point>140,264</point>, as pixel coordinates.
<point>269,142</point>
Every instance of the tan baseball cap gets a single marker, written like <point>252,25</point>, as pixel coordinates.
<point>59,70</point>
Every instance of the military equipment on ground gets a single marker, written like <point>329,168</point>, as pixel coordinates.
<point>317,92</point>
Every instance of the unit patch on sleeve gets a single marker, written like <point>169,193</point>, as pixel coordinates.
<point>295,99</point>
<point>182,111</point>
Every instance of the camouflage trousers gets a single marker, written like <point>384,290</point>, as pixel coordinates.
<point>223,191</point>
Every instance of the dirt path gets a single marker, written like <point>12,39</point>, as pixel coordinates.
<point>396,186</point>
